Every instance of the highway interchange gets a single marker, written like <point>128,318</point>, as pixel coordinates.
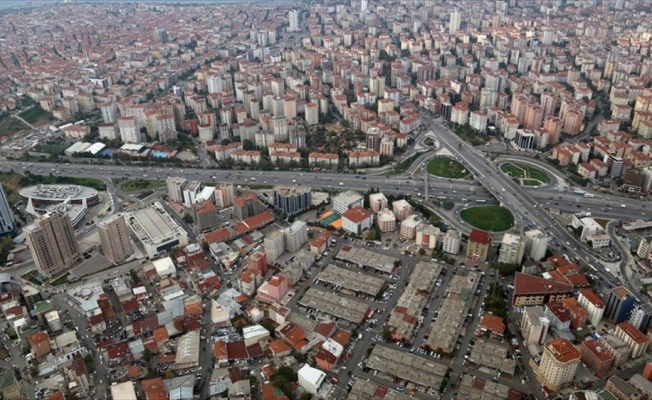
<point>529,205</point>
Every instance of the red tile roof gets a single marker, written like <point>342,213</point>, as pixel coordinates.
<point>593,298</point>
<point>525,284</point>
<point>478,236</point>
<point>563,350</point>
<point>357,214</point>
<point>154,389</point>
<point>632,332</point>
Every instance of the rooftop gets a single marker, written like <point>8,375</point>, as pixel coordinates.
<point>563,350</point>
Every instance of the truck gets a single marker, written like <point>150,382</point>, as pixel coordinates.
<point>580,192</point>
<point>589,195</point>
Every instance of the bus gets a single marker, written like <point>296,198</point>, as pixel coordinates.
<point>593,268</point>
<point>441,198</point>
<point>480,201</point>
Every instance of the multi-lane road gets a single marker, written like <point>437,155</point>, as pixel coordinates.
<point>527,206</point>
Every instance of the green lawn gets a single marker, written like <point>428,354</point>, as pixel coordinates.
<point>36,116</point>
<point>530,182</point>
<point>445,167</point>
<point>488,218</point>
<point>519,170</point>
<point>142,184</point>
<point>60,280</point>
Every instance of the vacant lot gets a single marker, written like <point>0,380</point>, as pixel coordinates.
<point>142,184</point>
<point>445,167</point>
<point>11,126</point>
<point>36,116</point>
<point>488,218</point>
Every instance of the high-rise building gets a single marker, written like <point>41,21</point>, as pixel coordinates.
<point>479,245</point>
<point>224,194</point>
<point>129,130</point>
<point>292,199</point>
<point>115,239</point>
<point>534,325</point>
<point>109,112</point>
<point>641,317</point>
<point>558,364</point>
<point>536,244</point>
<point>451,242</point>
<point>52,243</point>
<point>296,235</point>
<point>274,245</point>
<point>454,23</point>
<point>619,304</point>
<point>593,303</point>
<point>247,205</point>
<point>511,249</point>
<point>293,20</point>
<point>7,224</point>
<point>175,186</point>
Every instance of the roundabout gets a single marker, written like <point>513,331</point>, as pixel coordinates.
<point>488,218</point>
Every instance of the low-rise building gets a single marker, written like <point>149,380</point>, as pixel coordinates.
<point>357,220</point>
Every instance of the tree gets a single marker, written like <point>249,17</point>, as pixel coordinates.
<point>447,205</point>
<point>147,355</point>
<point>386,335</point>
<point>248,145</point>
<point>187,218</point>
<point>422,251</point>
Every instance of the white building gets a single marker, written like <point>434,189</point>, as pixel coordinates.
<point>454,22</point>
<point>274,245</point>
<point>427,236</point>
<point>534,325</point>
<point>511,249</point>
<point>296,235</point>
<point>311,379</point>
<point>593,303</point>
<point>592,232</point>
<point>357,220</point>
<point>451,243</point>
<point>156,230</point>
<point>347,200</point>
<point>536,244</point>
<point>293,20</point>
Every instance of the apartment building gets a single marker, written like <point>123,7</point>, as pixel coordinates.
<point>479,245</point>
<point>52,243</point>
<point>402,209</point>
<point>596,357</point>
<point>247,205</point>
<point>296,235</point>
<point>451,242</point>
<point>224,195</point>
<point>511,249</point>
<point>274,245</point>
<point>385,220</point>
<point>620,303</point>
<point>633,338</point>
<point>115,238</point>
<point>558,364</point>
<point>377,202</point>
<point>593,303</point>
<point>205,215</point>
<point>534,325</point>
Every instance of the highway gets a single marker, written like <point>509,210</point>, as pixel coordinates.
<point>523,204</point>
<point>456,190</point>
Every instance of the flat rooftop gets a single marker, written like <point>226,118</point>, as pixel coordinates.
<point>335,305</point>
<point>154,225</point>
<point>492,356</point>
<point>445,330</point>
<point>291,190</point>
<point>367,390</point>
<point>58,192</point>
<point>354,281</point>
<point>401,364</point>
<point>363,257</point>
